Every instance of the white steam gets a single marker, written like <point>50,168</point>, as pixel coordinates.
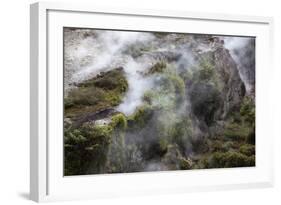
<point>89,52</point>
<point>102,52</point>
<point>138,84</point>
<point>105,50</point>
<point>242,52</point>
<point>232,43</point>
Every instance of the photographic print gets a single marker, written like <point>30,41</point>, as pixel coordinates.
<point>138,101</point>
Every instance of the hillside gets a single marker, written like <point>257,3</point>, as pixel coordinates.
<point>140,101</point>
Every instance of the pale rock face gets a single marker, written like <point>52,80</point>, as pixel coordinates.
<point>104,121</point>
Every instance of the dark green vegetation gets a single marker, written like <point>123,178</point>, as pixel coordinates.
<point>193,118</point>
<point>102,92</point>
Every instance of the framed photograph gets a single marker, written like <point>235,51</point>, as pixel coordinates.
<point>127,102</point>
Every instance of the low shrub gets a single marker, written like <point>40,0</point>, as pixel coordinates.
<point>85,149</point>
<point>119,121</point>
<point>229,159</point>
<point>140,117</point>
<point>101,92</point>
<point>247,110</point>
<point>235,131</point>
<point>247,149</point>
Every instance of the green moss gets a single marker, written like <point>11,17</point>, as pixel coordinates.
<point>181,133</point>
<point>140,117</point>
<point>228,159</point>
<point>168,93</point>
<point>101,92</point>
<point>84,96</point>
<point>241,125</point>
<point>206,71</point>
<point>165,100</point>
<point>74,137</point>
<point>178,84</point>
<point>116,157</point>
<point>113,98</point>
<point>85,149</point>
<point>248,110</point>
<point>97,131</point>
<point>217,146</point>
<point>247,149</point>
<point>110,80</point>
<point>235,131</point>
<point>229,145</point>
<point>158,67</point>
<point>119,120</point>
<point>160,99</point>
<point>68,103</point>
<point>172,129</point>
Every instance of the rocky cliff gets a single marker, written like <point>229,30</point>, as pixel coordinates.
<point>140,101</point>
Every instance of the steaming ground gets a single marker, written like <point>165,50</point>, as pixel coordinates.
<point>88,52</point>
<point>91,52</point>
<point>192,83</point>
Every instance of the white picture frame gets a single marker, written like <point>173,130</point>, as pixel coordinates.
<point>47,182</point>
